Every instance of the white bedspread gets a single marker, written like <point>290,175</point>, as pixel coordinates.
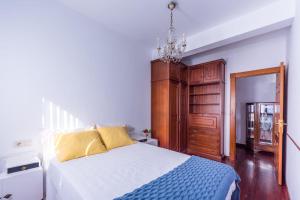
<point>112,174</point>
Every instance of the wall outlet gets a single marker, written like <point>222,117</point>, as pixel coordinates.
<point>23,143</point>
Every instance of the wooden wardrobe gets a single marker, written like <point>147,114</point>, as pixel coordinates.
<point>206,110</point>
<point>169,96</point>
<point>187,107</point>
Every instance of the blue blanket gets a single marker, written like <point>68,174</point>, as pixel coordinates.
<point>197,178</point>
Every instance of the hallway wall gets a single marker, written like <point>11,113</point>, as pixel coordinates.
<point>252,89</point>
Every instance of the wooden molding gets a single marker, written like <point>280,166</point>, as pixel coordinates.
<point>232,117</point>
<point>294,142</point>
<point>233,79</point>
<point>272,70</point>
<point>206,63</point>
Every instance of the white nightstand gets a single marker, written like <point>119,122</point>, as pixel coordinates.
<point>152,141</point>
<point>140,138</point>
<point>21,178</point>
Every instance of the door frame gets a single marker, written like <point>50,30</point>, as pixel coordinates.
<point>233,79</point>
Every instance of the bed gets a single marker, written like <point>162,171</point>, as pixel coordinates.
<point>114,174</point>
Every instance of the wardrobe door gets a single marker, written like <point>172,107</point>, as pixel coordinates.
<point>196,75</point>
<point>183,116</point>
<point>211,72</point>
<point>160,112</point>
<point>184,74</point>
<point>174,72</point>
<point>174,95</point>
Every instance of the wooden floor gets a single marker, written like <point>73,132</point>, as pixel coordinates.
<point>257,173</point>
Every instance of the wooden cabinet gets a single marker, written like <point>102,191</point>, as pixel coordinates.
<point>206,110</point>
<point>168,99</point>
<point>187,111</point>
<point>174,72</point>
<point>174,115</point>
<point>212,72</point>
<point>196,75</point>
<point>183,116</point>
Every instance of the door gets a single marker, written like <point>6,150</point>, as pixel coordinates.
<point>278,112</point>
<point>212,72</point>
<point>279,122</point>
<point>183,117</point>
<point>174,115</point>
<point>160,112</point>
<point>196,75</point>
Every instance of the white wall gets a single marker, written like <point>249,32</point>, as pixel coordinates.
<point>259,52</point>
<point>292,154</point>
<point>252,89</point>
<point>48,50</point>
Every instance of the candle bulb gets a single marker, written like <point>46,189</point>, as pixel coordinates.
<point>158,43</point>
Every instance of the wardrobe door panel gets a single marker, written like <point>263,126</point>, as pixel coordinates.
<point>196,75</point>
<point>160,112</point>
<point>183,116</point>
<point>211,72</point>
<point>184,74</point>
<point>159,71</point>
<point>174,115</point>
<point>174,71</point>
<point>203,121</point>
<point>202,150</point>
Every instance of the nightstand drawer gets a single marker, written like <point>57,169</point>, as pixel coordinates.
<point>22,167</point>
<point>22,185</point>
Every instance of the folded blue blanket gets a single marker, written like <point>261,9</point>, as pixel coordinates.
<point>197,178</point>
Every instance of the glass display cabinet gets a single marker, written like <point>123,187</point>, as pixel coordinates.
<point>260,126</point>
<point>250,125</point>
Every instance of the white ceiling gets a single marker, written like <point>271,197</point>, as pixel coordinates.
<point>144,20</point>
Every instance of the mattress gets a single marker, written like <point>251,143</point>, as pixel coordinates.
<point>112,174</point>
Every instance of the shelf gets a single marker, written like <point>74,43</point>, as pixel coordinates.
<point>209,83</point>
<point>203,104</point>
<point>201,94</point>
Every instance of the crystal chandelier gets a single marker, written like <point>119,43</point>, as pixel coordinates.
<point>172,50</point>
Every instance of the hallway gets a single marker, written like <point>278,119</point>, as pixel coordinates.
<point>257,173</point>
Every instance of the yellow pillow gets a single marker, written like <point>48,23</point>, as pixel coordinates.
<point>75,145</point>
<point>116,136</point>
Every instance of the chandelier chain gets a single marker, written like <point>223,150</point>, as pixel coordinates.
<point>171,19</point>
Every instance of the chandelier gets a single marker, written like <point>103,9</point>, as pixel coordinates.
<point>172,50</point>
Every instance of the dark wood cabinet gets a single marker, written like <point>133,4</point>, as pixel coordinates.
<point>212,72</point>
<point>206,110</point>
<point>196,75</point>
<point>183,116</point>
<point>174,91</point>
<point>169,104</point>
<point>187,111</point>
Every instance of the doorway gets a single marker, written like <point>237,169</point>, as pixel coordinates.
<point>277,107</point>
